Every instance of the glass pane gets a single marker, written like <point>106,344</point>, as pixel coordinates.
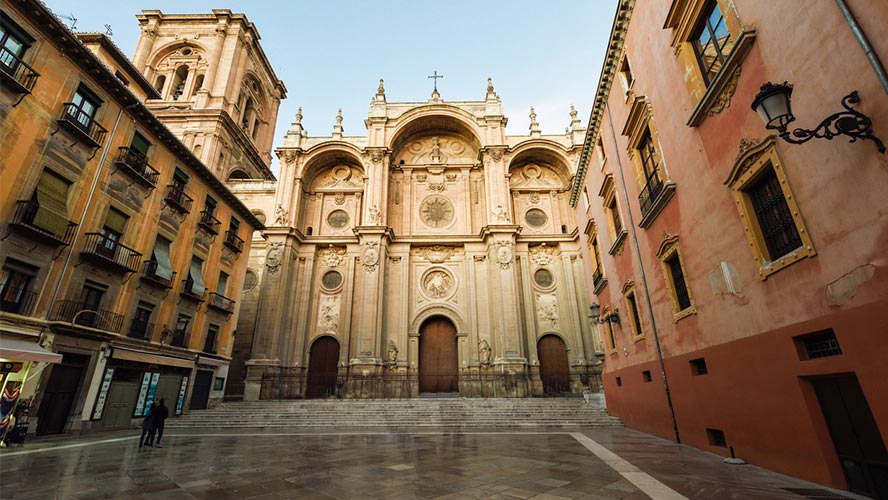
<point>14,46</point>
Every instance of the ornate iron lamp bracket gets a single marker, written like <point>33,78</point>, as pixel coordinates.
<point>850,122</point>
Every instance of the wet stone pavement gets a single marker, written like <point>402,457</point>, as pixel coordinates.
<point>544,465</point>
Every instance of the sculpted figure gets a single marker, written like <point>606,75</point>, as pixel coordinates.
<point>484,352</point>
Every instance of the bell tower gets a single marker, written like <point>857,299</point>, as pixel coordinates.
<point>219,93</point>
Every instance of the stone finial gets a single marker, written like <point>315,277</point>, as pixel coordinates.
<point>575,124</point>
<point>299,115</point>
<point>381,88</point>
<point>491,94</point>
<point>533,115</point>
<point>339,117</point>
<point>337,129</point>
<point>573,113</point>
<point>296,127</point>
<point>534,126</point>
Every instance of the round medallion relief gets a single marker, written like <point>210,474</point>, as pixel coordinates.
<point>437,284</point>
<point>338,219</point>
<point>436,211</point>
<point>331,280</point>
<point>536,217</point>
<point>543,278</point>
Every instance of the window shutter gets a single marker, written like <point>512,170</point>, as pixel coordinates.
<point>52,199</point>
<point>197,286</point>
<point>115,220</point>
<point>180,176</point>
<point>140,144</point>
<point>162,256</point>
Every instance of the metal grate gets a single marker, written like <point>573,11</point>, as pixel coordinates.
<point>774,217</point>
<point>821,344</point>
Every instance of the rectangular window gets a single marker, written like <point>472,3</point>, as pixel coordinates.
<point>646,375</point>
<point>614,213</point>
<point>180,178</point>
<point>13,44</point>
<point>161,265</point>
<point>712,42</point>
<point>611,338</point>
<point>180,334</point>
<point>219,384</point>
<point>586,199</point>
<point>679,286</point>
<point>210,207</point>
<point>778,228</point>
<point>90,300</point>
<point>140,145</point>
<point>602,157</point>
<point>619,381</point>
<point>48,209</point>
<point>195,282</point>
<point>83,108</point>
<point>222,286</point>
<point>15,277</point>
<point>626,74</point>
<point>634,318</point>
<point>698,367</point>
<point>820,344</point>
<point>139,328</point>
<point>597,271</point>
<point>210,341</point>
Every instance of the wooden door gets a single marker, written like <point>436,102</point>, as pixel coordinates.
<point>58,397</point>
<point>855,434</point>
<point>323,371</point>
<point>200,393</point>
<point>438,359</point>
<point>554,369</point>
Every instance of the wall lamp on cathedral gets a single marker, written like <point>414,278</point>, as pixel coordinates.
<point>613,317</point>
<point>773,106</point>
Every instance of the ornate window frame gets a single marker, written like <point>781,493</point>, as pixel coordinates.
<point>684,19</point>
<point>753,160</point>
<point>610,340</point>
<point>594,246</point>
<point>629,292</point>
<point>612,212</point>
<point>667,250</point>
<point>639,123</point>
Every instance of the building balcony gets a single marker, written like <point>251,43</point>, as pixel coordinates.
<point>649,193</point>
<point>110,253</point>
<point>79,313</point>
<point>81,125</point>
<point>233,241</point>
<point>176,198</point>
<point>15,75</point>
<point>208,222</point>
<point>221,302</point>
<point>135,164</point>
<point>140,330</point>
<point>187,285</point>
<point>42,224</point>
<point>17,300</point>
<point>149,275</point>
<point>653,198</point>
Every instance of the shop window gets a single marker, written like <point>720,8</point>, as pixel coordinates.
<point>676,278</point>
<point>768,210</point>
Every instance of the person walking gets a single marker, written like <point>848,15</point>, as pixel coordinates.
<point>159,418</point>
<point>148,426</point>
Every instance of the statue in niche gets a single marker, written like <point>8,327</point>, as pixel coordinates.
<point>484,352</point>
<point>392,355</point>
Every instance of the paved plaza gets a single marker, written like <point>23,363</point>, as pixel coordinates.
<point>592,464</point>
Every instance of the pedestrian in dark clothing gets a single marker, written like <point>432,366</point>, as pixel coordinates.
<point>159,418</point>
<point>149,426</point>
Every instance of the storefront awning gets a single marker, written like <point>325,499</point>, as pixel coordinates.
<point>13,349</point>
<point>149,358</point>
<point>208,361</point>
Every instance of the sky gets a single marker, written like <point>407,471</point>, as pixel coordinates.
<point>331,54</point>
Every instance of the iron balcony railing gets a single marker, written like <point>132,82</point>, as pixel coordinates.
<point>49,226</point>
<point>221,302</point>
<point>176,197</point>
<point>17,300</point>
<point>111,252</point>
<point>136,165</point>
<point>15,74</point>
<point>208,222</point>
<point>81,314</point>
<point>187,285</point>
<point>650,192</point>
<point>179,338</point>
<point>149,273</point>
<point>82,125</point>
<point>140,329</point>
<point>597,278</point>
<point>233,241</point>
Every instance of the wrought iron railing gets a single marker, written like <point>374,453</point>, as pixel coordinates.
<point>176,197</point>
<point>652,188</point>
<point>220,302</point>
<point>234,241</point>
<point>136,164</point>
<point>17,300</point>
<point>187,286</point>
<point>76,121</point>
<point>81,314</point>
<point>597,278</point>
<point>149,273</point>
<point>25,213</point>
<point>110,251</point>
<point>209,222</point>
<point>13,68</point>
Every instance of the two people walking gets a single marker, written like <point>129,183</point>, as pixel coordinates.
<point>153,424</point>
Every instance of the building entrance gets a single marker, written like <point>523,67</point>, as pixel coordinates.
<point>438,359</point>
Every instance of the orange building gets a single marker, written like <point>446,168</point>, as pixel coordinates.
<point>121,252</point>
<point>739,272</point>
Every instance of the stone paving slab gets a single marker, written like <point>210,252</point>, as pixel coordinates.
<point>494,465</point>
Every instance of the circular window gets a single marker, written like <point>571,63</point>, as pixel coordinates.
<point>338,219</point>
<point>543,278</point>
<point>436,211</point>
<point>186,52</point>
<point>331,280</point>
<point>536,217</point>
<point>250,280</point>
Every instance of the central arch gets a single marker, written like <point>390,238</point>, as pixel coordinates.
<point>438,358</point>
<point>323,371</point>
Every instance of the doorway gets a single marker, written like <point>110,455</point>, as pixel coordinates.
<point>323,368</point>
<point>438,358</point>
<point>60,393</point>
<point>554,368</point>
<point>855,434</point>
<point>200,393</point>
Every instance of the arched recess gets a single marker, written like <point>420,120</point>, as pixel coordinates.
<point>554,365</point>
<point>427,120</point>
<point>438,356</point>
<point>166,60</point>
<point>539,178</point>
<point>438,310</point>
<point>323,367</point>
<point>237,174</point>
<point>252,103</point>
<point>332,192</point>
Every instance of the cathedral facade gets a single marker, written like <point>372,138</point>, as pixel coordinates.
<point>436,254</point>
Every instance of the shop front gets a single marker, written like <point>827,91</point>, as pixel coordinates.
<point>21,360</point>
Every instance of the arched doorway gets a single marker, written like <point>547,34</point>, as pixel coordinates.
<point>323,368</point>
<point>554,368</point>
<point>438,359</point>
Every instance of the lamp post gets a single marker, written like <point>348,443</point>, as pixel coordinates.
<point>774,107</point>
<point>613,317</point>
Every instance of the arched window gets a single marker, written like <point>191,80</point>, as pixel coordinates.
<point>255,128</point>
<point>179,77</point>
<point>159,83</point>
<point>248,113</point>
<point>198,82</point>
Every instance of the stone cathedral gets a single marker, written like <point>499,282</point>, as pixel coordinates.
<point>435,254</point>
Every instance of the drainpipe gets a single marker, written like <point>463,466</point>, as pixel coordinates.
<point>92,192</point>
<point>647,296</point>
<point>864,42</point>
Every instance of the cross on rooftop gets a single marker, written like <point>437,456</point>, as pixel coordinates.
<point>436,76</point>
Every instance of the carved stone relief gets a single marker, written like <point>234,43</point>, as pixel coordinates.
<point>437,284</point>
<point>543,254</point>
<point>547,310</point>
<point>504,254</point>
<point>332,256</point>
<point>328,313</point>
<point>273,256</point>
<point>370,256</point>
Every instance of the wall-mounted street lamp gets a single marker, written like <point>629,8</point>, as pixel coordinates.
<point>773,106</point>
<point>613,317</point>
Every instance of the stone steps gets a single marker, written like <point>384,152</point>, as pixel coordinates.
<point>390,415</point>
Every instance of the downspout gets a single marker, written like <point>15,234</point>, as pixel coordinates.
<point>864,42</point>
<point>647,296</point>
<point>92,192</point>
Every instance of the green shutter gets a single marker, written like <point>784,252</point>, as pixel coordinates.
<point>140,144</point>
<point>52,198</point>
<point>196,273</point>
<point>115,220</point>
<point>180,176</point>
<point>162,257</point>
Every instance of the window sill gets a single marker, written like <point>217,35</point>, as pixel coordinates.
<point>719,93</point>
<point>769,268</point>
<point>659,204</point>
<point>684,313</point>
<point>617,247</point>
<point>600,286</point>
<point>638,339</point>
